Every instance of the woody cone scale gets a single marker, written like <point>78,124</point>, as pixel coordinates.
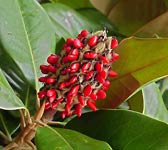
<point>78,77</point>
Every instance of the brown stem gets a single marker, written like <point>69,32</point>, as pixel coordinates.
<point>4,138</point>
<point>23,140</point>
<point>28,128</point>
<point>48,115</point>
<point>22,119</point>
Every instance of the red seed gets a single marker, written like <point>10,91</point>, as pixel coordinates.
<point>87,90</point>
<point>75,52</point>
<point>104,59</point>
<point>93,96</point>
<point>67,109</point>
<point>69,100</point>
<point>41,94</point>
<point>63,114</point>
<point>51,69</point>
<point>47,105</point>
<point>98,67</point>
<point>91,105</point>
<point>44,69</point>
<point>89,75</point>
<point>78,43</point>
<point>74,67</point>
<point>103,74</point>
<point>68,49</point>
<point>67,84</point>
<point>106,83</point>
<point>72,57</point>
<point>93,55</point>
<point>79,36</point>
<point>73,79</point>
<point>43,79</point>
<point>70,41</point>
<point>78,109</point>
<point>62,85</point>
<point>60,99</point>
<point>64,59</point>
<point>64,46</point>
<point>52,98</point>
<point>58,65</point>
<point>52,59</point>
<point>50,80</point>
<point>90,55</point>
<point>51,92</point>
<point>81,100</point>
<point>54,105</point>
<point>100,79</point>
<point>87,55</point>
<point>68,69</point>
<point>93,41</point>
<point>64,72</point>
<point>84,33</point>
<point>101,94</point>
<point>114,43</point>
<point>104,88</point>
<point>85,67</point>
<point>115,56</point>
<point>74,91</point>
<point>112,73</point>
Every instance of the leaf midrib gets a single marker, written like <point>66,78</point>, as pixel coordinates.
<point>29,45</point>
<point>60,136</point>
<point>141,68</point>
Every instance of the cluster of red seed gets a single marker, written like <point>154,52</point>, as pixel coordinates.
<point>78,77</point>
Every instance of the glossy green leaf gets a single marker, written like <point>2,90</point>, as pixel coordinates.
<point>163,84</point>
<point>75,4</point>
<point>68,22</point>
<point>26,39</point>
<point>136,102</point>
<point>59,44</point>
<point>98,23</point>
<point>153,103</point>
<point>149,101</point>
<point>8,98</point>
<point>141,61</point>
<point>165,98</point>
<point>124,105</point>
<point>164,90</point>
<point>57,138</point>
<point>123,129</point>
<point>8,124</point>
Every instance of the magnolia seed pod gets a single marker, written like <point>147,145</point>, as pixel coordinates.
<point>78,76</point>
